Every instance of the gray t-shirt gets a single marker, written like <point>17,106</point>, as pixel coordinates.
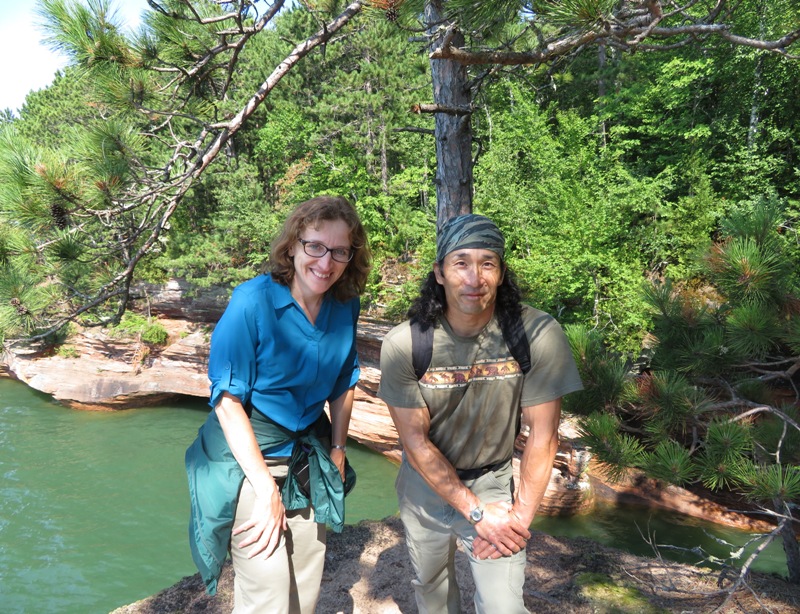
<point>474,388</point>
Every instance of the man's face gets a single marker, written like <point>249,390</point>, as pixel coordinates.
<point>470,278</point>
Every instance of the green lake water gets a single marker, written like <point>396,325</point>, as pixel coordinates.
<point>94,505</point>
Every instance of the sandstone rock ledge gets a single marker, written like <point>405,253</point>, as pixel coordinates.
<point>367,572</point>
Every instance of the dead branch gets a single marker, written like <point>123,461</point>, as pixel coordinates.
<point>437,108</point>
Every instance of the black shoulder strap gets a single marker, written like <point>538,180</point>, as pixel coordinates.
<point>421,347</point>
<point>517,342</point>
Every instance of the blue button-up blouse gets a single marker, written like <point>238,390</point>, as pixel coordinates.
<point>266,352</point>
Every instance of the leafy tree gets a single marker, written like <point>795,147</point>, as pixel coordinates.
<point>476,34</point>
<point>171,104</point>
<point>312,136</point>
<point>49,116</point>
<point>576,253</point>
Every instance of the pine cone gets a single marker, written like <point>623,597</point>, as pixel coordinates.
<point>60,216</point>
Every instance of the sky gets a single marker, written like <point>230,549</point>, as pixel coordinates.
<point>25,62</point>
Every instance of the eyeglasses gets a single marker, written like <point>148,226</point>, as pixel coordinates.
<point>318,250</point>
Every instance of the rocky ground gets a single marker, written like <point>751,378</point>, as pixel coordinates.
<point>367,572</point>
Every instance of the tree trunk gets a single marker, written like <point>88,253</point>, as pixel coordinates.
<point>453,131</point>
<point>790,545</point>
<point>384,160</point>
<point>601,86</point>
<point>755,101</point>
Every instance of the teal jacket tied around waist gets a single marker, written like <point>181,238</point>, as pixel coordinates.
<point>215,479</point>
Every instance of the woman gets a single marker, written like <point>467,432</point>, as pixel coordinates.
<point>268,469</point>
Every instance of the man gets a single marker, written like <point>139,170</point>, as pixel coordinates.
<point>458,422</point>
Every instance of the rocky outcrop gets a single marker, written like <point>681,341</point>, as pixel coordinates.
<point>95,370</point>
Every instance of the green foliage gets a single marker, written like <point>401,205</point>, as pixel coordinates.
<point>665,402</point>
<point>606,594</point>
<point>575,253</point>
<point>739,309</point>
<point>148,330</point>
<point>611,188</point>
<point>670,462</point>
<point>67,351</point>
<point>726,440</point>
<point>725,454</point>
<point>603,375</point>
<point>766,484</point>
<point>710,410</point>
<point>717,473</point>
<point>689,336</point>
<point>223,233</point>
<point>777,439</point>
<point>49,201</point>
<point>23,297</point>
<point>615,451</point>
<point>752,332</point>
<point>580,13</point>
<point>745,267</point>
<point>49,116</point>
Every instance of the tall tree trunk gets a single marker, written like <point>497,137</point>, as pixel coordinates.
<point>601,87</point>
<point>384,159</point>
<point>370,140</point>
<point>758,93</point>
<point>453,128</point>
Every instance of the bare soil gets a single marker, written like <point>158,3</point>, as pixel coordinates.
<point>367,572</point>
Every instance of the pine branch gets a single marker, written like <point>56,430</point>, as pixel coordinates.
<point>627,28</point>
<point>756,409</point>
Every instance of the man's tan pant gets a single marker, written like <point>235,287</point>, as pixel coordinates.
<point>433,529</point>
<point>289,580</point>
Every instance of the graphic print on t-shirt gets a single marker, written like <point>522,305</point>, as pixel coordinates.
<point>457,376</point>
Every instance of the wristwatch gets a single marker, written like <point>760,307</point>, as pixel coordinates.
<point>476,515</point>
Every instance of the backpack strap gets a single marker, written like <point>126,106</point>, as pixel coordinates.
<point>421,347</point>
<point>517,342</point>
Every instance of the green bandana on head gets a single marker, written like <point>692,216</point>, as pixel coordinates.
<point>469,231</point>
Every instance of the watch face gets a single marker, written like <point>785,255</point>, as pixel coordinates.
<point>476,515</point>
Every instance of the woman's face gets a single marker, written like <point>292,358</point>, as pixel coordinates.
<point>316,275</point>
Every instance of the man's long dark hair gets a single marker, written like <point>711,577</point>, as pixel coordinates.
<point>431,302</point>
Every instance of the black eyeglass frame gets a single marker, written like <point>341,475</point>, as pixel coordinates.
<point>332,250</point>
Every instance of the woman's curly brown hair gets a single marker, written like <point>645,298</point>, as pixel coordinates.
<point>312,213</point>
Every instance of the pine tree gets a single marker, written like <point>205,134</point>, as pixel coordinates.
<point>718,405</point>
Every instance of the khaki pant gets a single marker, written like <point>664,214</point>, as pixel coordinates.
<point>289,580</point>
<point>432,529</point>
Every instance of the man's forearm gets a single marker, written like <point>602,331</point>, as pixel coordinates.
<point>536,467</point>
<point>537,457</point>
